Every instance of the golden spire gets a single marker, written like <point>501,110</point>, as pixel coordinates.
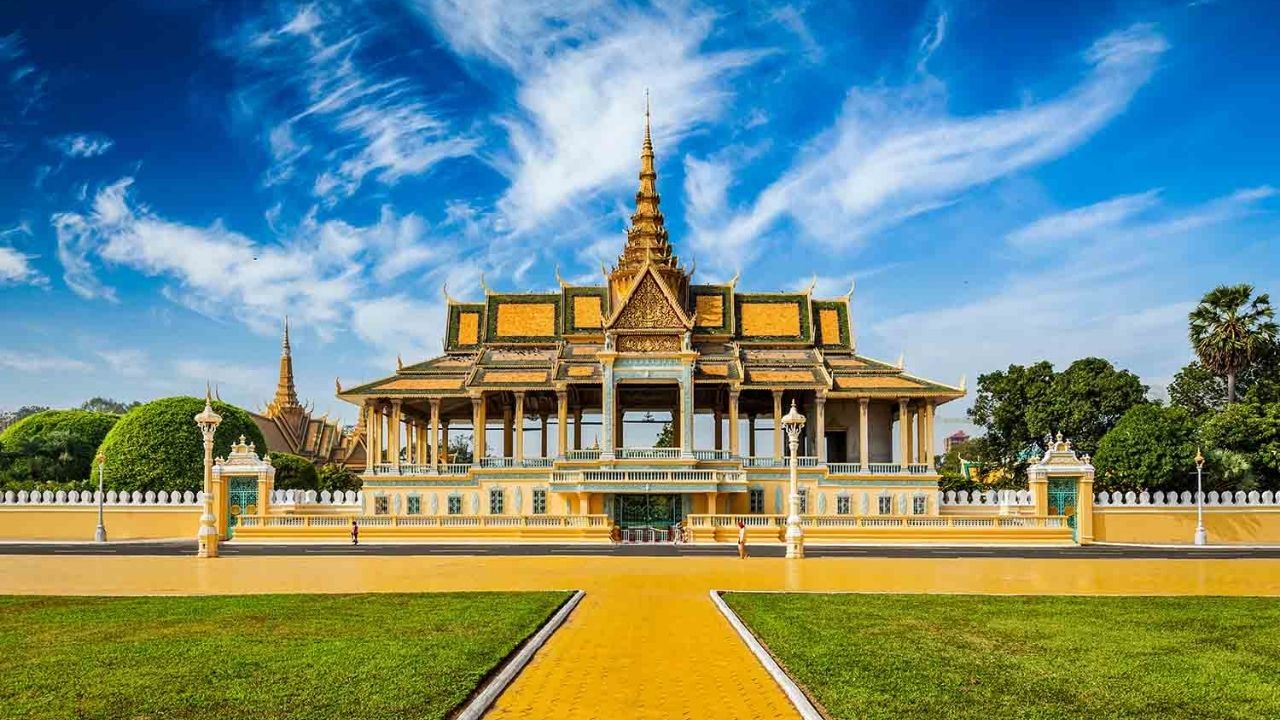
<point>286,393</point>
<point>647,236</point>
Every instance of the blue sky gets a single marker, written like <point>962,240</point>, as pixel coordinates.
<point>1005,182</point>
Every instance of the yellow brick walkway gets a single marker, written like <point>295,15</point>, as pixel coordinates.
<point>646,642</point>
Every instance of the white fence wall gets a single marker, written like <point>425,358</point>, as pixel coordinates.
<point>989,497</point>
<point>74,497</point>
<point>1163,499</point>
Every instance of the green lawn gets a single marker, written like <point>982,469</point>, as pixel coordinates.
<point>258,656</point>
<point>965,656</point>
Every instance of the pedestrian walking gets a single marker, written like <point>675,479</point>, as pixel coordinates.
<point>742,540</point>
<point>355,532</point>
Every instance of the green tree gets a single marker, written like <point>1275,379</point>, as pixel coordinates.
<point>1017,407</point>
<point>158,447</point>
<point>460,450</point>
<point>53,446</point>
<point>107,405</point>
<point>294,472</point>
<point>1230,329</point>
<point>666,436</point>
<point>1151,447</point>
<point>1085,402</point>
<point>1244,444</point>
<point>974,450</point>
<point>336,476</point>
<point>10,417</point>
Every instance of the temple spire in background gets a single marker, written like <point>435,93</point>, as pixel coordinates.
<point>286,392</point>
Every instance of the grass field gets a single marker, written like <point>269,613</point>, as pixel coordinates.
<point>965,656</point>
<point>259,656</point>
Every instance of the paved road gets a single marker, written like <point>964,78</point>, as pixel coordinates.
<point>232,550</point>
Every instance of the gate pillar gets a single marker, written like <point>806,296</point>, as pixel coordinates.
<point>1060,462</point>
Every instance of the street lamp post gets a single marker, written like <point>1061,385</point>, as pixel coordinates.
<point>793,423</point>
<point>208,422</point>
<point>1201,535</point>
<point>100,533</point>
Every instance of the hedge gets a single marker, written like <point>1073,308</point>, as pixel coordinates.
<point>158,446</point>
<point>33,446</point>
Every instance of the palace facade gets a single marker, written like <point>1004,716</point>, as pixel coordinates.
<point>534,377</point>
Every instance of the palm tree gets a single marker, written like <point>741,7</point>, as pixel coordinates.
<point>1230,328</point>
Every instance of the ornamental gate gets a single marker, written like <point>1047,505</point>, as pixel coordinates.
<point>1063,501</point>
<point>647,518</point>
<point>242,499</point>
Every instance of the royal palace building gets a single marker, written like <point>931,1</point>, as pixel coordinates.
<point>548,386</point>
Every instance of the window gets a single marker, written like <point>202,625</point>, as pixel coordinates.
<point>757,500</point>
<point>539,502</point>
<point>842,505</point>
<point>886,505</point>
<point>804,501</point>
<point>381,505</point>
<point>495,501</point>
<point>414,505</point>
<point>919,505</point>
<point>455,504</point>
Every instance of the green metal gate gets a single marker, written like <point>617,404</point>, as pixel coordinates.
<point>1063,501</point>
<point>242,499</point>
<point>656,511</point>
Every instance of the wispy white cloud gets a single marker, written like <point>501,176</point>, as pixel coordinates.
<point>327,275</point>
<point>582,68</point>
<point>82,145</point>
<point>931,41</point>
<point>896,153</point>
<point>28,362</point>
<point>15,266</point>
<point>1113,287</point>
<point>791,19</point>
<point>127,362</point>
<point>333,109</point>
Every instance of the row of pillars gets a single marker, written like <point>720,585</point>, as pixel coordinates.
<point>426,440</point>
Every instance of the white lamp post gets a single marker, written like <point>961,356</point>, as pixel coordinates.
<point>208,422</point>
<point>100,533</point>
<point>1201,535</point>
<point>793,423</point>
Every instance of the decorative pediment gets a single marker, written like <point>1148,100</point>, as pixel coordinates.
<point>650,306</point>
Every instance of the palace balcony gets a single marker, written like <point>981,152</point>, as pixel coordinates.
<point>641,463</point>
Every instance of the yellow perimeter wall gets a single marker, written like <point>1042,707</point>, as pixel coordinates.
<point>1177,526</point>
<point>78,523</point>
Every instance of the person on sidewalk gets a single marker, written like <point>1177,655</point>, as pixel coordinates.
<point>355,532</point>
<point>742,540</point>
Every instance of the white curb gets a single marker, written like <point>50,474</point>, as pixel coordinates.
<point>484,699</point>
<point>789,687</point>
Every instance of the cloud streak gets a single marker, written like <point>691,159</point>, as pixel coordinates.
<point>895,153</point>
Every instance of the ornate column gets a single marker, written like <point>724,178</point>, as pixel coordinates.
<point>478,421</point>
<point>820,426</point>
<point>777,424</point>
<point>686,411</point>
<point>619,424</point>
<point>577,428</point>
<point>607,412</point>
<point>394,445</point>
<point>711,502</point>
<point>751,435</point>
<point>864,435</point>
<point>507,450</point>
<point>718,419</point>
<point>544,434</point>
<point>904,431</point>
<point>435,434</point>
<point>208,422</point>
<point>444,441</point>
<point>929,409</point>
<point>368,437</point>
<point>733,423</point>
<point>519,427</point>
<point>584,503</point>
<point>562,423</point>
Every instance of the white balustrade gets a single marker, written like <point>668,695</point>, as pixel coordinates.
<point>81,498</point>
<point>1186,498</point>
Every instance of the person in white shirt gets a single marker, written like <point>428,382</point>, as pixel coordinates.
<point>742,540</point>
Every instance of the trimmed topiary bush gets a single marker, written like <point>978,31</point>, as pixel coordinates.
<point>52,446</point>
<point>294,472</point>
<point>158,446</point>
